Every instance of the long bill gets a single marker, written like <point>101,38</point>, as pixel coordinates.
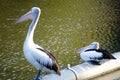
<point>25,17</point>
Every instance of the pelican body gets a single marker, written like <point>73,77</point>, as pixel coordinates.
<point>93,54</point>
<point>41,59</point>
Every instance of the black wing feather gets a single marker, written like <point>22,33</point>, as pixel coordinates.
<point>55,66</point>
<point>106,54</point>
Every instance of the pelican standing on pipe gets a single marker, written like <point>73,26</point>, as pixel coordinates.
<point>36,55</point>
<point>93,54</point>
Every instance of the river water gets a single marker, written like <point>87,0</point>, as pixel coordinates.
<point>64,27</point>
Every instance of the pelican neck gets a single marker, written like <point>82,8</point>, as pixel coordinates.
<point>30,34</point>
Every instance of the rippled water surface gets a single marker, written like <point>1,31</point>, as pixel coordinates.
<point>64,27</point>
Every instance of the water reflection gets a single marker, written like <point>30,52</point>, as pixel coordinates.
<point>64,27</point>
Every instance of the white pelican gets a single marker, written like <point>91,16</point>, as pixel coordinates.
<point>93,54</point>
<point>36,55</point>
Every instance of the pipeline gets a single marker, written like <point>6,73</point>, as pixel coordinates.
<point>85,70</point>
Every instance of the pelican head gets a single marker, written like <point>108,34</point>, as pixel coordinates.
<point>33,13</point>
<point>93,45</point>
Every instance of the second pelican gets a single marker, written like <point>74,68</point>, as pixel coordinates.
<point>93,54</point>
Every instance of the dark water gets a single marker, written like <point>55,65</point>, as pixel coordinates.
<point>64,27</point>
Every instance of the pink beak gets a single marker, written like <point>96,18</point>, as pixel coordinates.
<point>27,16</point>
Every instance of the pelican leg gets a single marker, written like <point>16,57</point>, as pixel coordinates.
<point>37,76</point>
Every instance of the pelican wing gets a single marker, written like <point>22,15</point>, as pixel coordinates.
<point>97,52</point>
<point>91,55</point>
<point>46,59</point>
<point>106,54</point>
<point>55,66</point>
